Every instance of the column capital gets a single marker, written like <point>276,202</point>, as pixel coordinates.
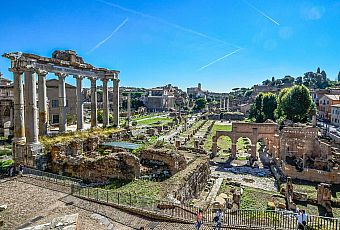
<point>42,72</point>
<point>78,77</point>
<point>19,70</point>
<point>92,79</point>
<point>105,79</point>
<point>61,75</point>
<point>116,80</point>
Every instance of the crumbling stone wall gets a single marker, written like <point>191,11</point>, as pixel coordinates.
<point>188,183</point>
<point>171,158</point>
<point>121,165</point>
<point>80,159</point>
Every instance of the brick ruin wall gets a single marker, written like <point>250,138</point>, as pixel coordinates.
<point>188,183</point>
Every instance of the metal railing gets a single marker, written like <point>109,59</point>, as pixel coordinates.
<point>50,177</point>
<point>243,218</point>
<point>263,219</point>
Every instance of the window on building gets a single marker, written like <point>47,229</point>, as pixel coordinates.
<point>55,104</point>
<point>55,118</point>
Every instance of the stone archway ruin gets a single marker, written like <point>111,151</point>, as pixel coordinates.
<point>268,132</point>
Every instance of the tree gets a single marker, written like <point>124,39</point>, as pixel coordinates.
<point>263,108</point>
<point>269,105</point>
<point>200,104</point>
<point>296,103</point>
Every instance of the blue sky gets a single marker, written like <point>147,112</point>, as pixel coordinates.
<point>222,43</point>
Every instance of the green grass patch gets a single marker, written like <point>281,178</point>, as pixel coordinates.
<point>5,164</point>
<point>154,121</point>
<point>77,135</point>
<point>257,199</point>
<point>222,142</point>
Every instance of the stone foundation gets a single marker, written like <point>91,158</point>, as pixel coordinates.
<point>313,175</point>
<point>172,159</point>
<point>188,183</point>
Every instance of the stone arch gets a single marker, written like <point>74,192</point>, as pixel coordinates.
<point>247,140</point>
<point>215,143</point>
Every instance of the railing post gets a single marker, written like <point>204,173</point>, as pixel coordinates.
<point>130,199</point>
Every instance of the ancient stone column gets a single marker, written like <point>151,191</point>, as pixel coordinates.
<point>80,109</point>
<point>42,102</point>
<point>116,102</point>
<point>253,151</point>
<point>105,103</point>
<point>19,118</point>
<point>233,150</point>
<point>31,111</point>
<point>129,108</point>
<point>62,102</point>
<point>93,102</point>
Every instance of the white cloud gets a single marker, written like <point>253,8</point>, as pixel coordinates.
<point>313,12</point>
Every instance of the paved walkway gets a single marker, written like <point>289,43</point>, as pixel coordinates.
<point>214,190</point>
<point>30,203</point>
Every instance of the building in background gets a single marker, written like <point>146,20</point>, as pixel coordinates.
<point>6,106</point>
<point>325,106</point>
<point>196,92</point>
<point>53,101</point>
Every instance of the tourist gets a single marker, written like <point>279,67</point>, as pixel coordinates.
<point>11,170</point>
<point>199,219</point>
<point>218,219</point>
<point>302,219</point>
<point>21,169</point>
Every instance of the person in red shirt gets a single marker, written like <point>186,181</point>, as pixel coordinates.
<point>199,219</point>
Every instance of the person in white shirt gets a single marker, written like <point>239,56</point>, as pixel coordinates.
<point>302,219</point>
<point>218,219</point>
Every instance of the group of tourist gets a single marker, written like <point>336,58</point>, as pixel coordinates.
<point>12,170</point>
<point>300,215</point>
<point>217,219</point>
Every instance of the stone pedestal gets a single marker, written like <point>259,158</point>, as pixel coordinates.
<point>214,149</point>
<point>233,150</point>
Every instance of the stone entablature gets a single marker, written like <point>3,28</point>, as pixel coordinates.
<point>62,64</point>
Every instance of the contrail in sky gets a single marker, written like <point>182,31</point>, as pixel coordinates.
<point>219,59</point>
<point>113,32</point>
<point>261,12</point>
<point>167,23</point>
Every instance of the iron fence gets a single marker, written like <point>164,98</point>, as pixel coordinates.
<point>263,219</point>
<point>50,177</point>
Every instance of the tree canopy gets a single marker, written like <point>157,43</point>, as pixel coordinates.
<point>293,103</point>
<point>200,104</point>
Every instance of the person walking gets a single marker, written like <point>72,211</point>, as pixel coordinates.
<point>21,169</point>
<point>199,219</point>
<point>302,220</point>
<point>218,219</point>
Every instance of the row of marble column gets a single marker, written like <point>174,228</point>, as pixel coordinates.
<point>26,110</point>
